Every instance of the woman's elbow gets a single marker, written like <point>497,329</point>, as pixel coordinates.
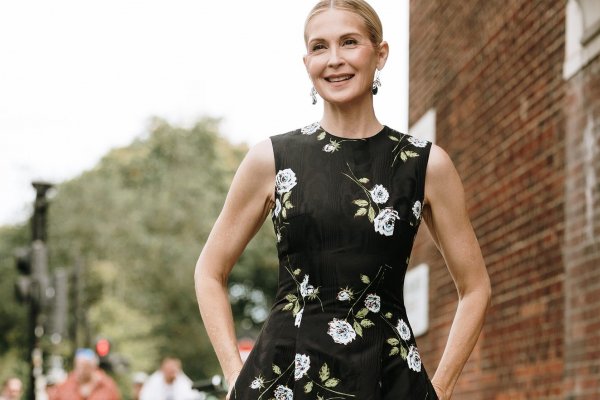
<point>203,276</point>
<point>486,292</point>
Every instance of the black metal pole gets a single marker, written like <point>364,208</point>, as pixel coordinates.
<point>40,278</point>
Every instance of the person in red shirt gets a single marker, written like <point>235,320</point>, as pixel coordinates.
<point>87,381</point>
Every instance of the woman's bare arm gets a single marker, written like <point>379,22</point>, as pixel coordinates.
<point>247,204</point>
<point>448,222</point>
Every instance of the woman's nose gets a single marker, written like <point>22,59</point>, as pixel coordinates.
<point>335,57</point>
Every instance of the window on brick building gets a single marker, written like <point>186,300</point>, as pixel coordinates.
<point>424,128</point>
<point>582,41</point>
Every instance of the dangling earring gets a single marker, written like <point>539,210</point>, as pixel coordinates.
<point>376,84</point>
<point>313,95</point>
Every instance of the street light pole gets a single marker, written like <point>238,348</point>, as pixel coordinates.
<point>40,283</point>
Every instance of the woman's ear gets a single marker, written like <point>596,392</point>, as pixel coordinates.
<point>383,50</point>
<point>305,61</point>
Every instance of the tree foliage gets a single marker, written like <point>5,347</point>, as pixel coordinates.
<point>138,221</point>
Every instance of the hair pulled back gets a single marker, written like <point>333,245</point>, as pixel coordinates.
<point>358,7</point>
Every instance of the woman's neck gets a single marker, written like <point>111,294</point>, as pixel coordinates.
<point>352,121</point>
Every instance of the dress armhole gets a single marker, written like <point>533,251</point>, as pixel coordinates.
<point>421,172</point>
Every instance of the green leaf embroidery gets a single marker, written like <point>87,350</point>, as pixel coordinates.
<point>360,212</point>
<point>284,213</point>
<point>288,306</point>
<point>362,313</point>
<point>308,387</point>
<point>411,154</point>
<point>371,214</point>
<point>388,315</point>
<point>288,204</point>
<point>296,308</point>
<point>394,351</point>
<point>394,138</point>
<point>403,352</point>
<point>321,136</point>
<point>276,369</point>
<point>403,156</point>
<point>324,372</point>
<point>361,203</point>
<point>297,271</point>
<point>286,196</point>
<point>332,382</point>
<point>358,328</point>
<point>367,323</point>
<point>365,279</point>
<point>291,297</point>
<point>364,180</point>
<point>393,341</point>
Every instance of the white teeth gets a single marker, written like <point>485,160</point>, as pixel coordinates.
<point>339,78</point>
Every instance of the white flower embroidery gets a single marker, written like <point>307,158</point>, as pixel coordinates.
<point>302,364</point>
<point>298,319</point>
<point>283,393</point>
<point>341,331</point>
<point>331,146</point>
<point>310,129</point>
<point>372,302</point>
<point>277,208</point>
<point>305,288</point>
<point>403,330</point>
<point>418,142</point>
<point>384,221</point>
<point>285,180</point>
<point>417,209</point>
<point>379,194</point>
<point>257,383</point>
<point>344,295</point>
<point>414,359</point>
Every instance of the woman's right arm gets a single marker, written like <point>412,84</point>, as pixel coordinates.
<point>247,204</point>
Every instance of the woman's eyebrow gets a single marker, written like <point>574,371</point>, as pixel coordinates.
<point>351,33</point>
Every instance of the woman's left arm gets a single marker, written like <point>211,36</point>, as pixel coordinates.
<point>446,217</point>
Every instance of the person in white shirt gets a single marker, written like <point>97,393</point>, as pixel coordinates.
<point>168,383</point>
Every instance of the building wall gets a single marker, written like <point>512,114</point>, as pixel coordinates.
<point>582,234</point>
<point>492,70</point>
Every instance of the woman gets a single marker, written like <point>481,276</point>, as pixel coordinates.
<point>346,196</point>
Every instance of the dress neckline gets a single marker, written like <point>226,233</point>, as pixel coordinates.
<point>379,133</point>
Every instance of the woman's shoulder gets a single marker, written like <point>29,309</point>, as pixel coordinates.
<point>442,177</point>
<point>439,163</point>
<point>260,155</point>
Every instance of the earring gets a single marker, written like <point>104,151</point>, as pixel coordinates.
<point>376,84</point>
<point>313,95</point>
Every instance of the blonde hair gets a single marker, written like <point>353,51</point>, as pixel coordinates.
<point>358,7</point>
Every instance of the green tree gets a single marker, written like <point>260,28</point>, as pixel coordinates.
<point>137,222</point>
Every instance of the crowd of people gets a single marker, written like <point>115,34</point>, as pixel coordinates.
<point>87,381</point>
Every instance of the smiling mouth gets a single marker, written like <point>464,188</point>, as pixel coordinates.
<point>339,78</point>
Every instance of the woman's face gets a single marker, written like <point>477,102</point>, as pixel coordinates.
<point>340,59</point>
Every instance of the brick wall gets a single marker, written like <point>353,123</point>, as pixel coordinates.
<point>492,70</point>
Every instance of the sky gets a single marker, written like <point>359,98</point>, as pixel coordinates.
<point>78,78</point>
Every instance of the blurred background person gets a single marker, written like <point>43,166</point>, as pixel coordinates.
<point>12,389</point>
<point>168,383</point>
<point>137,381</point>
<point>87,381</point>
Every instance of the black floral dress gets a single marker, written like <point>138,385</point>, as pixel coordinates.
<point>346,214</point>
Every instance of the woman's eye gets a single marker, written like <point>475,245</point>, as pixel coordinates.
<point>317,47</point>
<point>350,42</point>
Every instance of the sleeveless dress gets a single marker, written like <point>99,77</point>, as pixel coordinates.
<point>346,214</point>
